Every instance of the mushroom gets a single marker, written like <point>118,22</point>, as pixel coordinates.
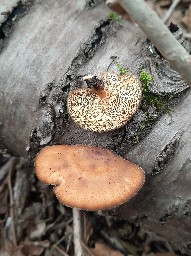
<point>106,106</point>
<point>88,177</point>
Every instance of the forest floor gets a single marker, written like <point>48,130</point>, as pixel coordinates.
<point>33,222</point>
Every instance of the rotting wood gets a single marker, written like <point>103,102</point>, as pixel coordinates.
<point>165,155</point>
<point>46,55</point>
<point>40,57</point>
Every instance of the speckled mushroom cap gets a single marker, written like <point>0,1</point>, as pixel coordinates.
<point>88,177</point>
<point>108,107</point>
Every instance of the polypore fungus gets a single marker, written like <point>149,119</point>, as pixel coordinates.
<point>107,106</point>
<point>88,177</point>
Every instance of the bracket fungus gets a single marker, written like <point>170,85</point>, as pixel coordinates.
<point>106,106</point>
<point>88,177</point>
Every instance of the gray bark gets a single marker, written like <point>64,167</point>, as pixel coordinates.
<point>49,50</point>
<point>6,7</point>
<point>159,34</point>
<point>165,201</point>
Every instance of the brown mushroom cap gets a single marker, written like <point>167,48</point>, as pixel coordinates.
<point>88,177</point>
<point>106,108</point>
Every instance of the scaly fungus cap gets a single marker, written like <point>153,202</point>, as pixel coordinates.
<point>88,177</point>
<point>107,107</point>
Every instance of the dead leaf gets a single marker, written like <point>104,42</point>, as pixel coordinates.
<point>165,3</point>
<point>29,248</point>
<point>38,230</point>
<point>187,19</point>
<point>104,250</point>
<point>6,248</point>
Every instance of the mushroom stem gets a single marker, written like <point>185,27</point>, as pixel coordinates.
<point>101,93</point>
<point>78,231</point>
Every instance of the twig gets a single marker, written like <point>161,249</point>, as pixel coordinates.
<point>153,237</point>
<point>161,37</point>
<point>54,225</point>
<point>69,242</point>
<point>62,252</point>
<point>187,35</point>
<point>11,167</point>
<point>78,231</point>
<point>170,10</point>
<point>60,240</point>
<point>87,251</point>
<point>113,242</point>
<point>5,169</point>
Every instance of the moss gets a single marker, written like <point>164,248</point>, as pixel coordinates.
<point>152,107</point>
<point>115,17</point>
<point>146,80</point>
<point>122,70</point>
<point>158,102</point>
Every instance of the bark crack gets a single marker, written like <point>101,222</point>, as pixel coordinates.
<point>53,99</point>
<point>166,155</point>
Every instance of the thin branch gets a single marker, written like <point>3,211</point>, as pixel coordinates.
<point>187,35</point>
<point>78,231</point>
<point>161,37</point>
<point>170,10</point>
<point>11,167</point>
<point>86,250</point>
<point>60,251</point>
<point>4,170</point>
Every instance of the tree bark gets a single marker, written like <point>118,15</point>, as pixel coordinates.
<point>46,55</point>
<point>160,35</point>
<point>164,204</point>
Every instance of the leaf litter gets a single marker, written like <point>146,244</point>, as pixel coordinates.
<point>33,222</point>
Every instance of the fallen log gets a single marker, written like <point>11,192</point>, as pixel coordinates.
<point>48,52</point>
